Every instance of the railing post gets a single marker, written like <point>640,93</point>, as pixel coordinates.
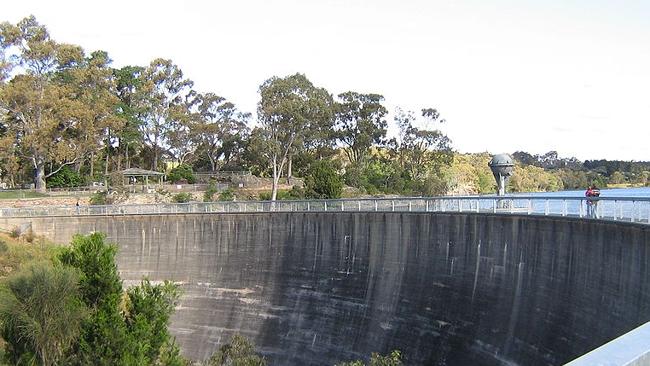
<point>546,207</point>
<point>359,202</point>
<point>494,206</point>
<point>409,206</point>
<point>392,205</point>
<point>342,205</point>
<point>375,205</point>
<point>308,208</point>
<point>530,206</point>
<point>427,205</point>
<point>564,208</point>
<point>460,205</point>
<point>325,205</point>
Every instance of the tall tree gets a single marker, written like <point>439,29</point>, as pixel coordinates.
<point>40,110</point>
<point>360,124</point>
<point>288,108</point>
<point>163,99</point>
<point>58,104</point>
<point>422,150</point>
<point>129,137</point>
<point>219,128</point>
<point>95,89</point>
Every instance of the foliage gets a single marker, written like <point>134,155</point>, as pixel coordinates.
<point>392,359</point>
<point>238,352</point>
<point>182,172</point>
<point>61,107</point>
<point>14,253</point>
<point>294,193</point>
<point>164,97</point>
<point>170,355</point>
<point>421,151</point>
<point>123,328</point>
<point>209,193</point>
<point>41,313</point>
<point>533,179</point>
<point>65,178</point>
<point>58,103</point>
<point>182,197</point>
<point>219,130</point>
<point>360,123</point>
<point>14,232</point>
<point>227,195</point>
<point>147,313</point>
<point>21,194</point>
<point>95,259</point>
<point>323,181</point>
<point>100,198</point>
<point>289,108</point>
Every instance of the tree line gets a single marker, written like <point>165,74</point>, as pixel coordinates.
<point>67,117</point>
<point>62,109</point>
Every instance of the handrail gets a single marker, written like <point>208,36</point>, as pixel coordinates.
<point>630,209</point>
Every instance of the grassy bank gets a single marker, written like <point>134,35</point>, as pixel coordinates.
<point>12,195</point>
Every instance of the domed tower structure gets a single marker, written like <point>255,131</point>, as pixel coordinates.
<point>502,167</point>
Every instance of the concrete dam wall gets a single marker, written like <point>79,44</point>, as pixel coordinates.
<point>445,289</point>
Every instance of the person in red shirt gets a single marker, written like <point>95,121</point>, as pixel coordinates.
<point>592,195</point>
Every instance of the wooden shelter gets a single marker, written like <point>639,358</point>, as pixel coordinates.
<point>134,173</point>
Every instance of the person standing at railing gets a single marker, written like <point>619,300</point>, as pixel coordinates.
<point>592,195</point>
<point>77,206</point>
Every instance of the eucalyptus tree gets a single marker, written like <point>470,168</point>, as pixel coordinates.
<point>289,107</point>
<point>35,106</point>
<point>42,109</point>
<point>164,96</point>
<point>421,150</point>
<point>129,137</point>
<point>219,129</point>
<point>360,124</point>
<point>94,85</point>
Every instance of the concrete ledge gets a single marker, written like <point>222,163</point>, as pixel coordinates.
<point>630,349</point>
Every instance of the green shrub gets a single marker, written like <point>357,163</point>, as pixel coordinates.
<point>392,359</point>
<point>65,178</point>
<point>3,247</point>
<point>126,327</point>
<point>294,193</point>
<point>208,195</point>
<point>227,195</point>
<point>180,173</point>
<point>15,232</point>
<point>323,181</point>
<point>100,198</point>
<point>239,351</point>
<point>182,197</point>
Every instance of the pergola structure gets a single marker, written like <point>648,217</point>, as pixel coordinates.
<point>136,173</point>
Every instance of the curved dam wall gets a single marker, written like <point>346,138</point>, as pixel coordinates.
<point>445,289</point>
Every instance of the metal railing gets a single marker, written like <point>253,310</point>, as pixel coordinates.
<point>630,209</point>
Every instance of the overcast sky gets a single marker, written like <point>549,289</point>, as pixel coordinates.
<point>565,75</point>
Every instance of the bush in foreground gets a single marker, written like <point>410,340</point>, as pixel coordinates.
<point>75,312</point>
<point>41,314</point>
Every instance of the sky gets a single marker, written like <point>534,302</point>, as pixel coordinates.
<point>566,75</point>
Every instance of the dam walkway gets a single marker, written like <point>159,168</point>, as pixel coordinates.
<point>628,209</point>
